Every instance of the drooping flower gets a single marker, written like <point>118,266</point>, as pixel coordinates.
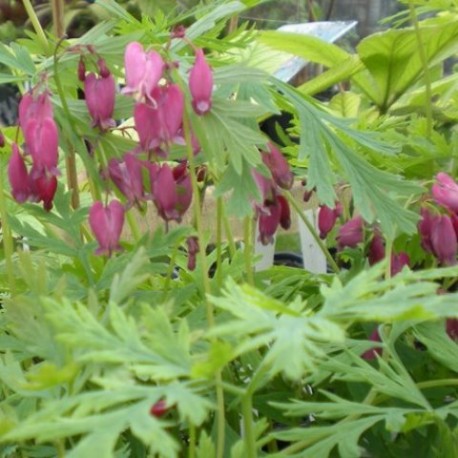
<point>372,353</point>
<point>126,174</point>
<point>376,249</point>
<point>201,84</point>
<point>18,176</point>
<point>327,218</point>
<point>34,106</point>
<point>159,126</point>
<point>398,262</point>
<point>100,92</point>
<point>445,192</point>
<point>172,191</point>
<point>268,221</point>
<point>425,226</point>
<point>444,240</point>
<point>351,233</point>
<point>285,212</point>
<point>43,187</point>
<point>278,166</point>
<point>159,409</point>
<point>143,70</point>
<point>451,327</point>
<point>106,223</point>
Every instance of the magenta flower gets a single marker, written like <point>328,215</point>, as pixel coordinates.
<point>451,327</point>
<point>265,186</point>
<point>201,84</point>
<point>444,240</point>
<point>42,141</point>
<point>285,212</point>
<point>269,219</point>
<point>159,126</point>
<point>372,353</point>
<point>425,226</point>
<point>100,93</point>
<point>327,218</point>
<point>445,192</point>
<point>376,249</point>
<point>398,262</point>
<point>106,224</point>
<point>126,174</point>
<point>34,107</point>
<point>278,166</point>
<point>351,233</point>
<point>18,176</point>
<point>172,191</point>
<point>43,187</point>
<point>143,70</point>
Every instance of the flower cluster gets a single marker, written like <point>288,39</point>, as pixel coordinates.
<point>439,231</point>
<point>274,209</point>
<point>39,183</point>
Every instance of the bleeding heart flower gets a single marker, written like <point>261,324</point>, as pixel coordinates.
<point>327,218</point>
<point>445,192</point>
<point>143,71</point>
<point>106,224</point>
<point>372,353</point>
<point>398,262</point>
<point>159,409</point>
<point>351,233</point>
<point>376,250</point>
<point>278,166</point>
<point>172,191</point>
<point>126,174</point>
<point>18,176</point>
<point>201,84</point>
<point>100,93</point>
<point>425,226</point>
<point>444,241</point>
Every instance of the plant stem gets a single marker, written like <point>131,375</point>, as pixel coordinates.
<point>36,23</point>
<point>229,235</point>
<point>220,409</point>
<point>57,7</point>
<point>248,426</point>
<point>219,242</point>
<point>248,249</point>
<point>312,230</point>
<point>70,160</point>
<point>8,244</point>
<point>192,441</point>
<point>135,231</point>
<point>426,74</point>
<point>436,383</point>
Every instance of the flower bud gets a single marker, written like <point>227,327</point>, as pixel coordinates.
<point>193,249</point>
<point>376,250</point>
<point>201,84</point>
<point>425,226</point>
<point>269,219</point>
<point>159,409</point>
<point>372,353</point>
<point>81,70</point>
<point>285,212</point>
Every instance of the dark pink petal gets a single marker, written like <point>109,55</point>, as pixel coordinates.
<point>444,240</point>
<point>351,233</point>
<point>127,175</point>
<point>43,187</point>
<point>285,212</point>
<point>148,126</point>
<point>106,224</point>
<point>373,352</point>
<point>165,194</point>
<point>201,84</point>
<point>327,218</point>
<point>100,96</point>
<point>269,219</point>
<point>172,112</point>
<point>376,251</point>
<point>445,192</point>
<point>398,262</point>
<point>424,226</point>
<point>278,166</point>
<point>18,176</point>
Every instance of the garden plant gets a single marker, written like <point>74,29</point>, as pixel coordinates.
<point>133,322</point>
